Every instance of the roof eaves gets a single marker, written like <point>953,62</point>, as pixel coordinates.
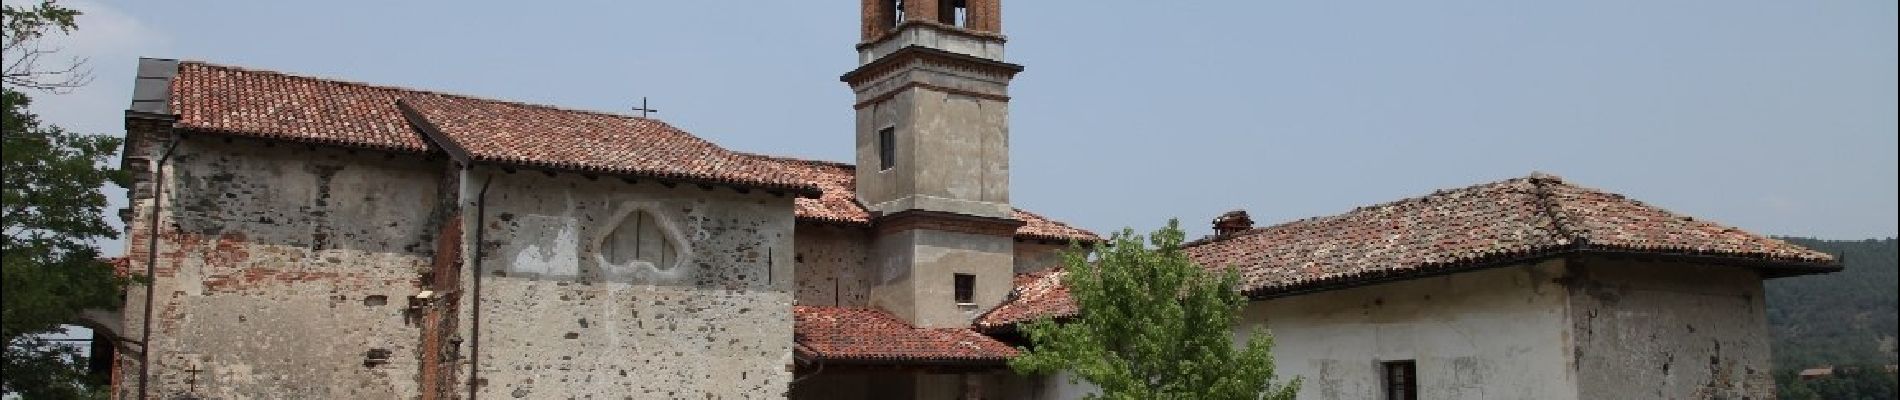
<point>1770,267</point>
<point>280,138</point>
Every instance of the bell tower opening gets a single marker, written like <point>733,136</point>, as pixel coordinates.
<point>885,17</point>
<point>953,13</point>
<point>892,13</point>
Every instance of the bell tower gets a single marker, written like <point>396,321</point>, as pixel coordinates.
<point>933,156</point>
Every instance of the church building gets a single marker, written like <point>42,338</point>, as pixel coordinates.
<point>319,238</point>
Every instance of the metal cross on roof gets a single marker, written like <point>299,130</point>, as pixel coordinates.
<point>643,108</point>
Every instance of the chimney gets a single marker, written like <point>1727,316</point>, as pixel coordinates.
<point>1232,222</point>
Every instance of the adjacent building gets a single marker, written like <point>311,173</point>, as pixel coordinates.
<point>1525,288</point>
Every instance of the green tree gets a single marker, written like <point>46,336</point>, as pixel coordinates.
<point>52,212</point>
<point>1153,325</point>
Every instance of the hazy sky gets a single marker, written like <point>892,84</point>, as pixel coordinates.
<point>1775,116</point>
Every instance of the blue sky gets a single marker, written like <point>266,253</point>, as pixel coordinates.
<point>1775,116</point>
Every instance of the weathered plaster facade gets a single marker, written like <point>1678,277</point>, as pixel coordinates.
<point>281,271</point>
<point>952,145</point>
<point>916,270</point>
<point>559,319</point>
<point>288,271</point>
<point>1669,330</point>
<point>1563,328</point>
<point>1497,333</point>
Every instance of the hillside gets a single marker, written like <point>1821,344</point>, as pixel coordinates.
<point>1844,319</point>
<point>1841,318</point>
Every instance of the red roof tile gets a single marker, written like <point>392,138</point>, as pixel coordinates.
<point>839,204</point>
<point>1037,294</point>
<point>521,134</point>
<point>248,102</point>
<point>868,335</point>
<point>1036,226</point>
<point>121,265</point>
<point>1484,224</point>
<point>274,105</point>
<point>1499,221</point>
<point>837,182</point>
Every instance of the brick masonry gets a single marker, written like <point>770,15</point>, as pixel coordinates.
<point>277,266</point>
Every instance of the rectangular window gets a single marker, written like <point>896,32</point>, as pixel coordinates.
<point>1401,380</point>
<point>886,148</point>
<point>966,289</point>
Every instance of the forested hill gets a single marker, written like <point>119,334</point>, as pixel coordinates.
<point>1843,318</point>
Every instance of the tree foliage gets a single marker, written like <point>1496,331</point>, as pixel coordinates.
<point>1153,325</point>
<point>53,212</point>
<point>1845,319</point>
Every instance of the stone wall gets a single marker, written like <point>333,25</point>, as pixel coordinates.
<point>1658,330</point>
<point>1491,334</point>
<point>831,265</point>
<point>559,320</point>
<point>282,270</point>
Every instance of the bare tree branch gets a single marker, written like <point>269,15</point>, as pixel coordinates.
<point>21,48</point>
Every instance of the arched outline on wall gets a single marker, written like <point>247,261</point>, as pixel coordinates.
<point>638,271</point>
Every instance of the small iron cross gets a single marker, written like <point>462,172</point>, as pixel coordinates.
<point>643,108</point>
<point>192,381</point>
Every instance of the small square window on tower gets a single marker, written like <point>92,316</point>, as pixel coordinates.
<point>966,289</point>
<point>1401,380</point>
<point>886,148</point>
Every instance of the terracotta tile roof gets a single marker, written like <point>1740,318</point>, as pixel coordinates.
<point>238,101</point>
<point>872,336</point>
<point>1037,294</point>
<point>837,182</point>
<point>839,204</point>
<point>247,102</point>
<point>538,136</point>
<point>1486,224</point>
<point>1036,226</point>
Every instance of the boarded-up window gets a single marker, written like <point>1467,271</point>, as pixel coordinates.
<point>639,237</point>
<point>1401,380</point>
